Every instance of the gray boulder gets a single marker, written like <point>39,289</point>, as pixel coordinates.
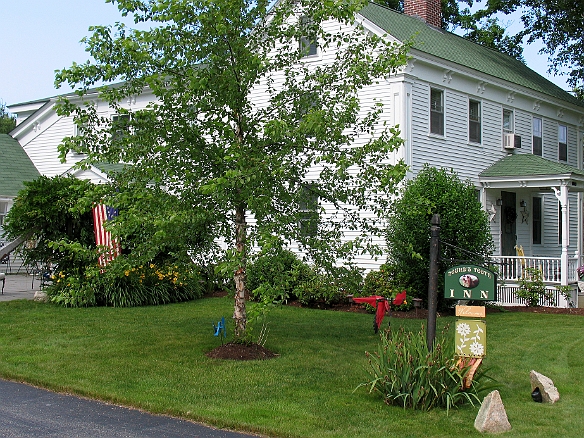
<point>549,393</point>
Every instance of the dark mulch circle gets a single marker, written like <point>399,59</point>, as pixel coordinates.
<point>241,351</point>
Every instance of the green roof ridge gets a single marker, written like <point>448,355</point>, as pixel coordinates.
<point>454,48</point>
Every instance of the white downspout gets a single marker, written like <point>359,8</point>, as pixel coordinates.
<point>562,196</point>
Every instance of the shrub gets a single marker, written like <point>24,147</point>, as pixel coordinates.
<point>49,210</point>
<point>464,228</point>
<point>385,283</point>
<point>275,274</point>
<point>405,373</point>
<point>319,287</point>
<point>532,288</point>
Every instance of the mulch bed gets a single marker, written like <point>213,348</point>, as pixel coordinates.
<point>251,351</point>
<point>241,351</point>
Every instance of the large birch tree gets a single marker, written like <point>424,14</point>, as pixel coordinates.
<point>246,122</point>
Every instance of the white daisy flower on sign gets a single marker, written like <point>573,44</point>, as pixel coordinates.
<point>463,329</point>
<point>477,349</point>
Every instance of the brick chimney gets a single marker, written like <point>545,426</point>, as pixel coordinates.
<point>428,10</point>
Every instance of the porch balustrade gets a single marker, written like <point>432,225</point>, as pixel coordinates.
<point>513,268</point>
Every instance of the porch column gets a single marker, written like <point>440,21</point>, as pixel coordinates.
<point>562,196</point>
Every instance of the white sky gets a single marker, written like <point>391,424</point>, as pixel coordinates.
<point>41,36</point>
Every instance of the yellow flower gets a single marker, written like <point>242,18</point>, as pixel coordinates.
<point>126,273</point>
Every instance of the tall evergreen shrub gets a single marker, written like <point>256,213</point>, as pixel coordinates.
<point>464,230</point>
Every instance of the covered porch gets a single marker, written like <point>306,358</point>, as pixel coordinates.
<point>535,211</point>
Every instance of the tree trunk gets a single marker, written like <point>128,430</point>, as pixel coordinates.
<point>239,313</point>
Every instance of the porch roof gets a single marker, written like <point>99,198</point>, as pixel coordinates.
<point>528,170</point>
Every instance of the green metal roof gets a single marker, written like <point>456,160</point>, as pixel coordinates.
<point>16,167</point>
<point>442,44</point>
<point>524,165</point>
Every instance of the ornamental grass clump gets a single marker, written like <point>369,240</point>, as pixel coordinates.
<point>407,374</point>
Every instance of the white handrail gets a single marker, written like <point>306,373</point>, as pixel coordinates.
<point>513,268</point>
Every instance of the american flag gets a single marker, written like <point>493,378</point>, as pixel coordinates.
<point>103,238</point>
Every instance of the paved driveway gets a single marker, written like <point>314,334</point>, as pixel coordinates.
<point>19,287</point>
<point>26,411</point>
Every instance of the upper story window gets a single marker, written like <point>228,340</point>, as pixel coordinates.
<point>562,143</point>
<point>308,208</point>
<point>436,111</point>
<point>474,121</point>
<point>79,131</point>
<point>537,137</point>
<point>508,121</point>
<point>307,43</point>
<point>120,125</point>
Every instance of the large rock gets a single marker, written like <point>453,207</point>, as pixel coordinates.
<point>492,417</point>
<point>549,393</point>
<point>40,296</point>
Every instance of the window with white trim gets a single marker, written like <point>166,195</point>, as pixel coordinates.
<point>436,111</point>
<point>3,212</point>
<point>307,44</point>
<point>120,125</point>
<point>307,206</point>
<point>536,147</point>
<point>508,121</point>
<point>536,214</point>
<point>474,121</point>
<point>562,143</point>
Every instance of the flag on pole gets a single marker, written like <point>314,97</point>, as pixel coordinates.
<point>103,238</point>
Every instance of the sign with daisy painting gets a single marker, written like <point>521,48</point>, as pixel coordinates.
<point>471,338</point>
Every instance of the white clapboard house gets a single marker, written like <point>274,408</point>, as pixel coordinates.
<point>459,105</point>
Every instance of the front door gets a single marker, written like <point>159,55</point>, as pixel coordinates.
<point>508,223</point>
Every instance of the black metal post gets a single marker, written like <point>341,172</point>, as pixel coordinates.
<point>433,280</point>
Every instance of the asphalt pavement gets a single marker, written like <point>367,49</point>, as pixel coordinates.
<point>27,411</point>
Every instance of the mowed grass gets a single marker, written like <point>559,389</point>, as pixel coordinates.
<point>153,358</point>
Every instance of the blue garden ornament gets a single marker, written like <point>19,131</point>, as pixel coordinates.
<point>220,327</point>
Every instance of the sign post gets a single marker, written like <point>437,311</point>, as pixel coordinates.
<point>433,280</point>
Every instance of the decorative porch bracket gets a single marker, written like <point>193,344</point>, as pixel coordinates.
<point>562,195</point>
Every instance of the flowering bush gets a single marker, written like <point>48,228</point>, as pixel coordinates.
<point>580,271</point>
<point>121,285</point>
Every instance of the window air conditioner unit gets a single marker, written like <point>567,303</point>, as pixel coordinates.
<point>511,141</point>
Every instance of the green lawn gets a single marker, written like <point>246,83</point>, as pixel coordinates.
<point>153,358</point>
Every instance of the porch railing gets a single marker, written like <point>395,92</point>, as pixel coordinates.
<point>507,296</point>
<point>513,268</point>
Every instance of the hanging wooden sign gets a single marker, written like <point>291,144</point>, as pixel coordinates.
<point>470,282</point>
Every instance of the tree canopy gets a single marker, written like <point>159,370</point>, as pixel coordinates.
<point>244,125</point>
<point>7,122</point>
